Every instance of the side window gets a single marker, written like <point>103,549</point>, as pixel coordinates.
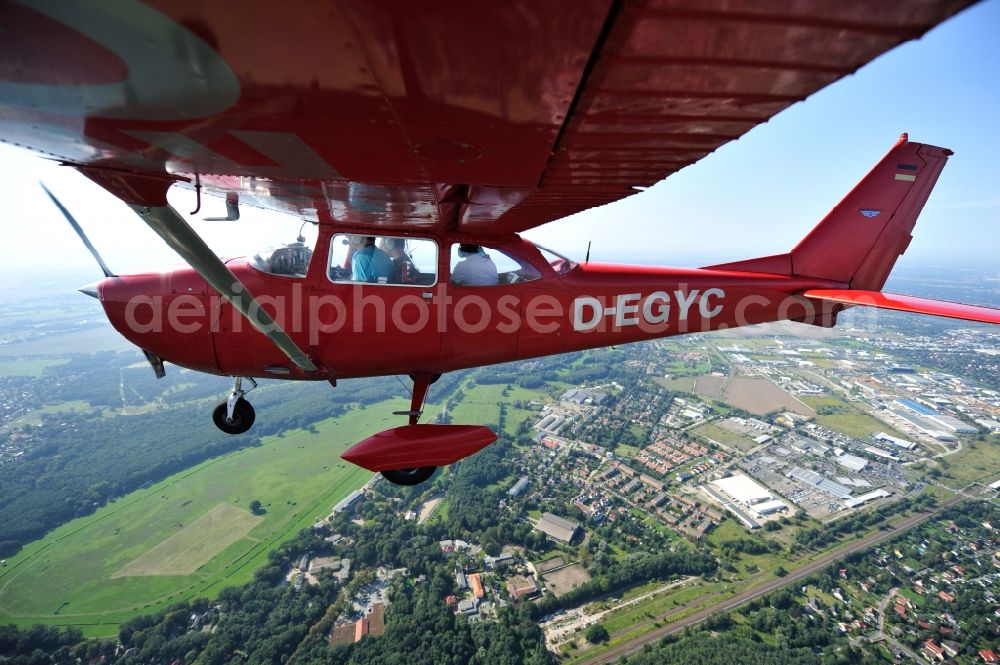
<point>394,260</point>
<point>478,265</point>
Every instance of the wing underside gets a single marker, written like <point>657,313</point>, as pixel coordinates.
<point>487,117</point>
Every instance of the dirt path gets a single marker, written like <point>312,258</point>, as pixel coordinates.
<point>563,628</point>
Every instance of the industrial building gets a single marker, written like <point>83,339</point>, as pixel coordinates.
<point>558,528</point>
<point>878,452</point>
<point>883,437</point>
<point>865,498</point>
<point>743,489</point>
<point>581,396</point>
<point>749,494</point>
<point>819,482</point>
<point>852,462</point>
<point>769,507</point>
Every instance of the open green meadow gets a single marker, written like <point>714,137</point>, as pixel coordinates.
<point>94,340</point>
<point>846,418</point>
<point>189,535</point>
<point>29,367</point>
<point>976,462</point>
<point>481,405</point>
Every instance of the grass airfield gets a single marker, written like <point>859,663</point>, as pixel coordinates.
<point>190,535</point>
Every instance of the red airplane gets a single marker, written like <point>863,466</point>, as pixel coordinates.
<point>421,139</point>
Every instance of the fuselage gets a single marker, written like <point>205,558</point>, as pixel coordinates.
<point>369,329</point>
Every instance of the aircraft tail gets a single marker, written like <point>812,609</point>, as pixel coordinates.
<point>859,241</point>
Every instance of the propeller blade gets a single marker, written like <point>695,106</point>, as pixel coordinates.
<point>79,231</point>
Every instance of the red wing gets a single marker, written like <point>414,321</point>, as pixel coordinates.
<point>489,116</point>
<point>951,310</point>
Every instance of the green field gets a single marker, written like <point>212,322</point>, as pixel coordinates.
<point>100,570</point>
<point>94,340</point>
<point>725,437</point>
<point>847,418</point>
<point>975,462</point>
<point>35,417</point>
<point>481,406</point>
<point>858,425</point>
<point>33,367</point>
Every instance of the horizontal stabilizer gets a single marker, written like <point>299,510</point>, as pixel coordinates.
<point>952,310</point>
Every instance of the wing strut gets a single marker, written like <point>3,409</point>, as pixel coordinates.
<point>176,232</point>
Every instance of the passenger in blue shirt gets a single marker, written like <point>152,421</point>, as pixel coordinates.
<point>368,262</point>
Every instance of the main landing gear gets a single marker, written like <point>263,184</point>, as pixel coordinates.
<point>416,475</point>
<point>235,415</point>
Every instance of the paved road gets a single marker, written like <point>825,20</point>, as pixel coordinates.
<point>880,633</point>
<point>636,645</point>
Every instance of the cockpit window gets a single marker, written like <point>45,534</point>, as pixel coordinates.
<point>478,265</point>
<point>559,263</point>
<point>291,260</point>
<point>394,260</point>
<point>288,260</point>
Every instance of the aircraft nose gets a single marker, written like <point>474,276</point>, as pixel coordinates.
<point>90,290</point>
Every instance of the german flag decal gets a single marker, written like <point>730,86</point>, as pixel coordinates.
<point>906,177</point>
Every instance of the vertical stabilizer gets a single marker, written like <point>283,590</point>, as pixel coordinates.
<point>859,241</point>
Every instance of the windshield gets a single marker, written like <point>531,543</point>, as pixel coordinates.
<point>559,263</point>
<point>291,260</point>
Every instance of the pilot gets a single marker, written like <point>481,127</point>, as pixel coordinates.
<point>402,267</point>
<point>475,269</point>
<point>368,262</point>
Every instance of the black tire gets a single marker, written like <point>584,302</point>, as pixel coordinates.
<point>243,417</point>
<point>409,477</point>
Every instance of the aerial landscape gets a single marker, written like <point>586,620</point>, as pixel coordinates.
<point>289,374</point>
<point>847,478</point>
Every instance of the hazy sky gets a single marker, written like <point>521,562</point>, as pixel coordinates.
<point>758,195</point>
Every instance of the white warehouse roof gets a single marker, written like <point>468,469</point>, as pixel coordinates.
<point>743,489</point>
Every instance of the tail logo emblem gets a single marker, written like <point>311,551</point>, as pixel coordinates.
<point>870,212</point>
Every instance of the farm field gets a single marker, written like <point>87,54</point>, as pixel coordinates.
<point>97,571</point>
<point>725,437</point>
<point>759,396</point>
<point>709,385</point>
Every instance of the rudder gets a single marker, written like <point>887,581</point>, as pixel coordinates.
<point>859,241</point>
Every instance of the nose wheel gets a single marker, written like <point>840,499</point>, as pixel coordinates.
<point>235,415</point>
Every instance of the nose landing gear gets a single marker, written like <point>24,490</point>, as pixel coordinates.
<point>235,415</point>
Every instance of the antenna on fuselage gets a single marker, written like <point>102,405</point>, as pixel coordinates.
<point>587,259</point>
